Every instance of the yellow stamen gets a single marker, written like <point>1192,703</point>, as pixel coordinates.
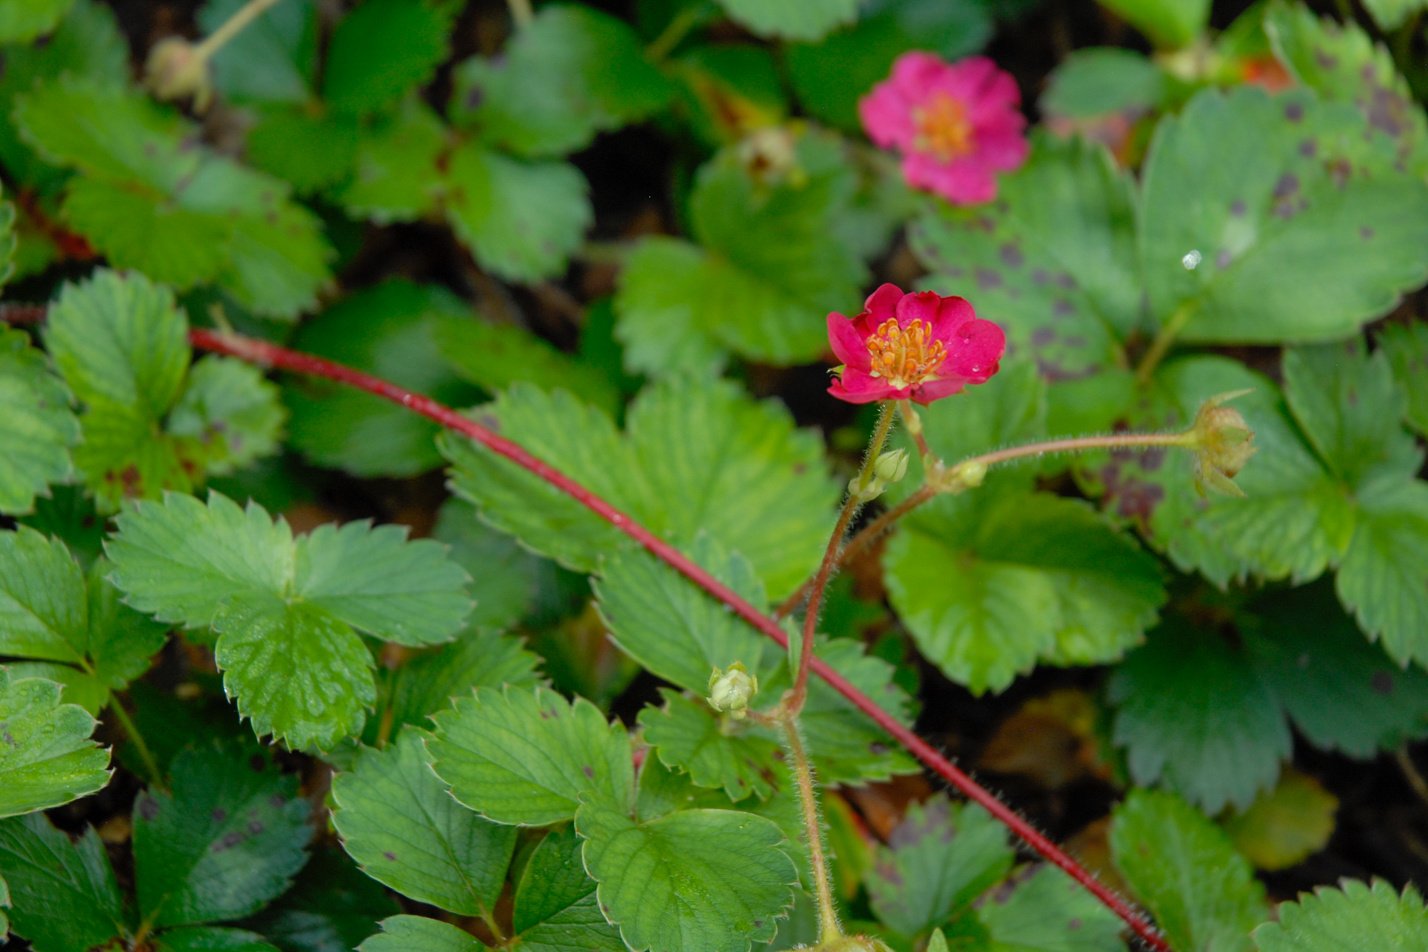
<point>943,128</point>
<point>904,356</point>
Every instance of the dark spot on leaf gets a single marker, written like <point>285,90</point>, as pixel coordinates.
<point>1294,111</point>
<point>1352,397</point>
<point>1042,336</point>
<point>474,95</point>
<point>148,807</point>
<point>984,223</point>
<point>228,842</point>
<point>588,771</point>
<point>1039,276</point>
<point>1387,111</point>
<point>1073,924</point>
<point>1325,60</point>
<point>1064,280</point>
<point>1152,459</point>
<point>1309,148</point>
<point>219,815</point>
<point>255,827</point>
<point>758,923</point>
<point>1365,233</point>
<point>1062,308</point>
<point>954,272</point>
<point>1381,683</point>
<point>391,857</point>
<point>1237,207</point>
<point>133,480</point>
<point>987,279</point>
<point>1011,255</point>
<point>1339,172</point>
<point>276,801</point>
<point>1287,185</point>
<point>877,748</point>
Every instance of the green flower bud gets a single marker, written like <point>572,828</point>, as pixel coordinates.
<point>1223,444</point>
<point>175,70</point>
<point>891,466</point>
<point>731,691</point>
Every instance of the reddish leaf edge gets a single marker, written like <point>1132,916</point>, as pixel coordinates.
<point>272,355</point>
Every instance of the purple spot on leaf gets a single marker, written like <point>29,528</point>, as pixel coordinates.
<point>987,279</point>
<point>1381,683</point>
<point>1294,111</point>
<point>1042,336</point>
<point>1237,207</point>
<point>1011,255</point>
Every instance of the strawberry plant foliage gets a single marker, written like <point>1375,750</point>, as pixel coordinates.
<point>49,758</point>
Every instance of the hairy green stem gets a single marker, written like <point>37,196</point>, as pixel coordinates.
<point>828,927</point>
<point>1072,444</point>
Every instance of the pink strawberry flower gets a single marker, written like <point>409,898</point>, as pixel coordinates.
<point>956,124</point>
<point>918,347</point>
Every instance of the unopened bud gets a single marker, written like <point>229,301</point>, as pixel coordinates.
<point>891,466</point>
<point>731,691</point>
<point>969,475</point>
<point>1223,444</point>
<point>176,70</point>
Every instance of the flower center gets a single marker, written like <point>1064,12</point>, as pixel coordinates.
<point>904,356</point>
<point>943,128</point>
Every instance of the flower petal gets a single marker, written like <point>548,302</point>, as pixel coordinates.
<point>854,386</point>
<point>937,389</point>
<point>920,306</point>
<point>976,351</point>
<point>848,345</point>
<point>882,303</point>
<point>952,313</point>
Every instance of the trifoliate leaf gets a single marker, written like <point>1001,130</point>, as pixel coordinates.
<point>769,268</point>
<point>211,939</point>
<point>568,74</point>
<point>1407,348</point>
<point>691,881</point>
<point>494,356</point>
<point>1182,867</point>
<point>366,71</point>
<point>1340,62</point>
<point>80,632</point>
<point>388,330</point>
<point>409,933</point>
<point>1048,911</point>
<point>1274,220</point>
<point>1052,260</point>
<point>285,610</point>
<point>555,908</point>
<point>272,59</point>
<point>806,20</point>
<point>397,819</point>
<point>310,149</point>
<point>151,199</point>
<point>1341,692</point>
<point>46,755</point>
<point>63,893</point>
<point>395,175</point>
<point>695,458</point>
<point>1284,825</point>
<point>1193,715</point>
<point>522,220</point>
<point>23,22</point>
<point>938,859</point>
<point>224,841</point>
<point>331,908</point>
<point>831,74</point>
<point>530,757</point>
<point>37,427</point>
<point>1384,576</point>
<point>480,658</point>
<point>989,584</point>
<point>1356,915</point>
<point>688,735</point>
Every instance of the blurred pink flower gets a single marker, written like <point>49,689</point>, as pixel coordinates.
<point>956,124</point>
<point>918,347</point>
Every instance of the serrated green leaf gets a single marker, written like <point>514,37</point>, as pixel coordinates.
<point>530,758</point>
<point>231,412</point>
<point>212,939</point>
<point>769,268</point>
<point>1052,260</point>
<point>222,843</point>
<point>1269,221</point>
<point>1284,825</point>
<point>272,59</point>
<point>806,20</point>
<point>687,735</point>
<point>1169,23</point>
<point>1193,715</point>
<point>284,609</point>
<point>1342,63</point>
<point>389,330</point>
<point>394,174</point>
<point>690,461</point>
<point>331,909</point>
<point>494,356</point>
<point>522,220</point>
<point>1341,692</point>
<point>1356,915</point>
<point>64,894</point>
<point>152,199</point>
<point>1182,867</point>
<point>413,933</point>
<point>830,75</point>
<point>692,881</point>
<point>1407,348</point>
<point>366,71</point>
<point>310,149</point>
<point>46,755</point>
<point>555,908</point>
<point>37,427</point>
<point>1389,14</point>
<point>1048,912</point>
<point>938,859</point>
<point>23,22</point>
<point>397,819</point>
<point>563,77</point>
<point>988,584</point>
<point>1384,576</point>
